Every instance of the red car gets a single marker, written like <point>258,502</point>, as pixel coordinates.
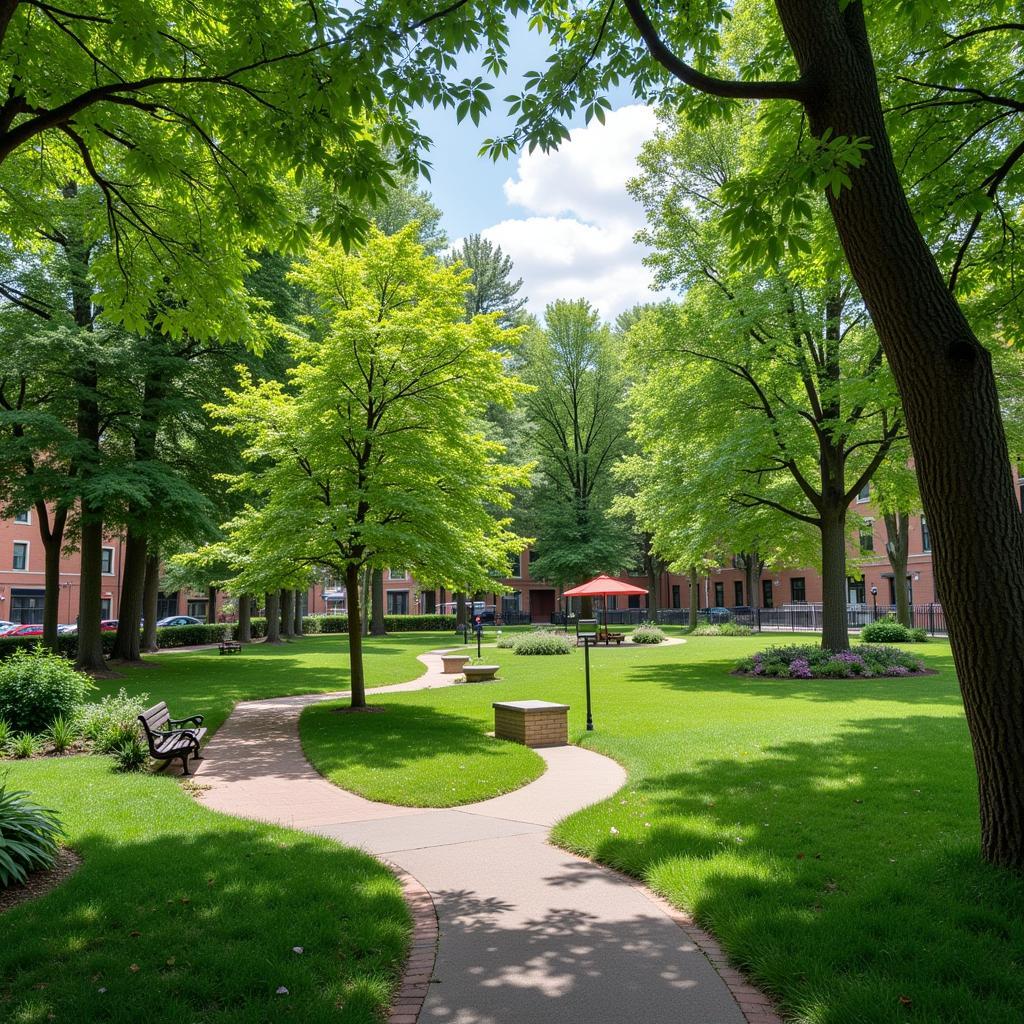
<point>34,630</point>
<point>108,626</point>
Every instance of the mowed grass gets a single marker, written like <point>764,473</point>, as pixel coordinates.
<point>826,831</point>
<point>210,684</point>
<point>185,916</point>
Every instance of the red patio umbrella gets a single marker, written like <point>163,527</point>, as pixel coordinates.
<point>605,586</point>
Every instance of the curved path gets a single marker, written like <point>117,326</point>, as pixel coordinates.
<point>529,934</point>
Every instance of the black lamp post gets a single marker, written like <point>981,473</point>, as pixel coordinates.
<point>586,668</point>
<point>874,602</point>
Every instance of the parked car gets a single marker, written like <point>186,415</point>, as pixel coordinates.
<point>180,620</point>
<point>108,626</point>
<point>6,624</point>
<point>719,615</point>
<point>35,629</point>
<point>66,627</point>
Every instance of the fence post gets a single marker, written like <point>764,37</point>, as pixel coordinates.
<point>931,619</point>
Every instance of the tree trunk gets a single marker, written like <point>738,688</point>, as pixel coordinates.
<point>897,546</point>
<point>128,642</point>
<point>355,638</point>
<point>51,533</point>
<point>211,606</point>
<point>150,602</point>
<point>460,610</point>
<point>377,601</point>
<point>653,580</point>
<point>244,634</point>
<point>587,607</point>
<point>835,633</point>
<point>364,607</point>
<point>952,411</point>
<point>694,596</point>
<point>288,613</point>
<point>273,600</point>
<point>297,613</point>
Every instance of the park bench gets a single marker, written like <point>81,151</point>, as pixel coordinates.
<point>166,741</point>
<point>479,673</point>
<point>229,647</point>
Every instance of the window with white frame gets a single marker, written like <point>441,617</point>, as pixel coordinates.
<point>19,563</point>
<point>24,518</point>
<point>107,562</point>
<point>396,574</point>
<point>867,535</point>
<point>926,536</point>
<point>864,494</point>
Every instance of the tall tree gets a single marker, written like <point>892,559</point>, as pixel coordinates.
<point>577,430</point>
<point>375,455</point>
<point>494,290</point>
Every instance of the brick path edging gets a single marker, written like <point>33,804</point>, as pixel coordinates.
<point>407,1002</point>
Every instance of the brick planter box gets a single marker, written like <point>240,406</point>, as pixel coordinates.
<point>535,723</point>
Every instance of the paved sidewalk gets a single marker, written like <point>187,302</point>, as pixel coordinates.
<point>528,933</point>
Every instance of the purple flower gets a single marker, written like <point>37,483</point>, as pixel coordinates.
<point>800,668</point>
<point>758,668</point>
<point>849,657</point>
<point>897,670</point>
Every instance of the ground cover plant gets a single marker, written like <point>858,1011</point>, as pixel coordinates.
<point>181,914</point>
<point>28,835</point>
<point>828,836</point>
<point>721,629</point>
<point>806,661</point>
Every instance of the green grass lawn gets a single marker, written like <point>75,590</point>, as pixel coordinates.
<point>179,915</point>
<point>826,831</point>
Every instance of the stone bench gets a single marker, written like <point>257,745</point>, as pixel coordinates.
<point>453,664</point>
<point>535,723</point>
<point>479,673</point>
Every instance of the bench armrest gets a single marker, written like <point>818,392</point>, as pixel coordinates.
<point>198,719</point>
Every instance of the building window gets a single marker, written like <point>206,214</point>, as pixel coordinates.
<point>27,606</point>
<point>398,602</point>
<point>719,595</point>
<point>23,517</point>
<point>798,590</point>
<point>737,593</point>
<point>611,602</point>
<point>107,562</point>
<point>428,602</point>
<point>676,597</point>
<point>926,536</point>
<point>19,563</point>
<point>766,594</point>
<point>533,556</point>
<point>396,574</point>
<point>105,608</point>
<point>196,607</point>
<point>514,569</point>
<point>864,494</point>
<point>510,604</point>
<point>855,590</point>
<point>166,605</point>
<point>867,536</point>
<point>634,601</point>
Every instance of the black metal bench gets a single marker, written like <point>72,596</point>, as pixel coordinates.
<point>166,742</point>
<point>230,647</point>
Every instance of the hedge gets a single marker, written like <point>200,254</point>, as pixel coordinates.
<point>392,623</point>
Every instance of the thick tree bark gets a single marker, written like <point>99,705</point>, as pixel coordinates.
<point>377,603</point>
<point>897,532</point>
<point>460,610</point>
<point>51,533</point>
<point>297,614</point>
<point>953,417</point>
<point>128,642</point>
<point>288,613</point>
<point>835,633</point>
<point>273,600</point>
<point>150,602</point>
<point>211,606</point>
<point>364,606</point>
<point>694,596</point>
<point>244,634</point>
<point>355,638</point>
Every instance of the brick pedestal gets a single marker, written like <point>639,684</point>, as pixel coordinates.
<point>535,723</point>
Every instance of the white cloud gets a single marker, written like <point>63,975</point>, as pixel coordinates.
<point>577,239</point>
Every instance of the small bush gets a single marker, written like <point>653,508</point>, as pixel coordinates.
<point>506,640</point>
<point>723,629</point>
<point>647,633</point>
<point>62,733</point>
<point>36,686</point>
<point>918,636</point>
<point>806,661</point>
<point>28,836</point>
<point>24,745</point>
<point>886,630</point>
<point>542,643</point>
<point>130,754</point>
<point>111,721</point>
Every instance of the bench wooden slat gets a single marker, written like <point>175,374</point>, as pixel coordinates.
<point>166,743</point>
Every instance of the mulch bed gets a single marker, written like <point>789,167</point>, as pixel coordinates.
<point>41,882</point>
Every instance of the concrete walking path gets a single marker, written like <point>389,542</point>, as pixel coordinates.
<point>529,934</point>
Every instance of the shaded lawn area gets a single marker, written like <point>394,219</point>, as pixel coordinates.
<point>826,831</point>
<point>210,684</point>
<point>179,914</point>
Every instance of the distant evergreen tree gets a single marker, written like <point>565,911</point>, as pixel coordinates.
<point>494,291</point>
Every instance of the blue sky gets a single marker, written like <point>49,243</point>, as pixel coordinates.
<point>564,218</point>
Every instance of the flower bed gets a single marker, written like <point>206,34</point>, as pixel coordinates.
<point>808,661</point>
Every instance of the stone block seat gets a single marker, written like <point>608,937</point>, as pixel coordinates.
<point>453,664</point>
<point>534,723</point>
<point>479,673</point>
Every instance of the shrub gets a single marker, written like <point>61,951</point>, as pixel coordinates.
<point>28,836</point>
<point>918,636</point>
<point>6,732</point>
<point>24,745</point>
<point>724,629</point>
<point>130,754</point>
<point>806,661</point>
<point>36,686</point>
<point>62,733</point>
<point>111,721</point>
<point>507,640</point>
<point>542,642</point>
<point>647,633</point>
<point>886,630</point>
